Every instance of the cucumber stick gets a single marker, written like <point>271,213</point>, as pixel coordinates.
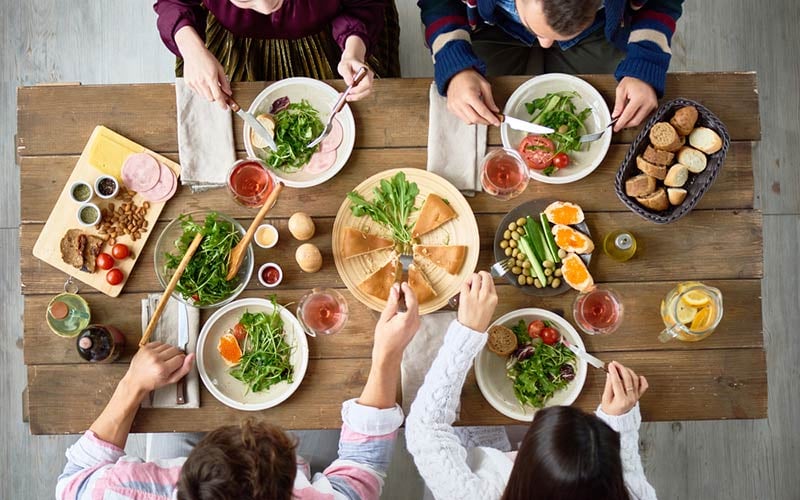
<point>536,266</point>
<point>534,233</point>
<point>551,241</point>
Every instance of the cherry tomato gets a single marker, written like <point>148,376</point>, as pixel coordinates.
<point>120,251</point>
<point>537,151</point>
<point>561,160</point>
<point>104,261</point>
<point>535,328</point>
<point>549,335</point>
<point>239,332</point>
<point>114,277</point>
<point>195,297</point>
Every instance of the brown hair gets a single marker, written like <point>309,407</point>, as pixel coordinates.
<point>569,17</point>
<point>567,454</point>
<point>254,460</point>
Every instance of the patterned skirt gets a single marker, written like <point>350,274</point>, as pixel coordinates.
<point>315,56</point>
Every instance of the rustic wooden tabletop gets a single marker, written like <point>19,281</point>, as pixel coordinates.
<point>719,243</point>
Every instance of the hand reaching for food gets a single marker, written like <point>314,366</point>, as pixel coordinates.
<point>623,389</point>
<point>477,302</point>
<point>469,97</point>
<point>157,364</point>
<point>395,329</point>
<point>353,57</point>
<point>201,70</point>
<point>635,100</point>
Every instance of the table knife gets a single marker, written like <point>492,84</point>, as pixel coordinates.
<point>524,126</point>
<point>582,354</point>
<point>253,123</point>
<point>183,344</point>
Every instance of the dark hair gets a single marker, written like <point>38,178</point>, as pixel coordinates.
<point>567,454</point>
<point>569,17</point>
<point>254,460</point>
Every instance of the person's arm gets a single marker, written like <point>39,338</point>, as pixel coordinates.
<point>356,29</point>
<point>440,456</point>
<point>642,73</point>
<point>176,14</point>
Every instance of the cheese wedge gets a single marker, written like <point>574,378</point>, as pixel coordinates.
<point>359,243</point>
<point>420,284</point>
<point>448,257</point>
<point>434,213</point>
<point>108,152</point>
<point>379,283</point>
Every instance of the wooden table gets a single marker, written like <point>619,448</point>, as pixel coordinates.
<point>720,243</point>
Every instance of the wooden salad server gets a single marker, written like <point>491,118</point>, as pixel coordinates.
<point>237,254</point>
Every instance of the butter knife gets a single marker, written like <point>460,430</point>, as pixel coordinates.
<point>253,123</point>
<point>524,126</point>
<point>582,354</point>
<point>183,343</point>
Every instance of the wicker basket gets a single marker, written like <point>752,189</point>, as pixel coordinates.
<point>697,184</point>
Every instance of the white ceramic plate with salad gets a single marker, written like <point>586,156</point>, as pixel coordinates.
<point>581,162</point>
<point>496,385</point>
<point>218,375</point>
<point>321,97</point>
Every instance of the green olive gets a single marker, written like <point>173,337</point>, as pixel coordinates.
<point>513,244</point>
<point>521,280</point>
<point>537,283</point>
<point>526,271</point>
<point>562,253</point>
<point>516,270</point>
<point>515,252</point>
<point>504,244</point>
<point>519,261</point>
<point>521,231</point>
<point>558,272</point>
<point>548,272</point>
<point>521,221</point>
<point>548,264</point>
<point>506,234</point>
<point>526,265</point>
<point>508,251</point>
<point>512,226</point>
<point>556,283</point>
<point>515,236</point>
<point>529,280</point>
<point>549,279</point>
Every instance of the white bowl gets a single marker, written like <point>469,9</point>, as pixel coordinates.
<point>214,371</point>
<point>582,163</point>
<point>261,271</point>
<point>498,389</point>
<point>97,187</point>
<point>270,228</point>
<point>322,97</point>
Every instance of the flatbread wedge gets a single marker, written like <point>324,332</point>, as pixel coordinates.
<point>420,284</point>
<point>435,212</point>
<point>359,243</point>
<point>379,283</point>
<point>448,257</point>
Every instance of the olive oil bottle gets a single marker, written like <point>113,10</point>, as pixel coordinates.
<point>620,245</point>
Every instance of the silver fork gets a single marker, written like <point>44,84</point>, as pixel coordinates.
<point>502,267</point>
<point>405,260</point>
<point>597,135</point>
<point>338,106</point>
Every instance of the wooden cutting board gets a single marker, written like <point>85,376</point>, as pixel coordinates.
<point>104,154</point>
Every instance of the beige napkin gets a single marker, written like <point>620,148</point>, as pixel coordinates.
<point>455,149</point>
<point>205,140</point>
<point>167,331</point>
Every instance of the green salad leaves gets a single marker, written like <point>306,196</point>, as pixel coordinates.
<point>295,126</point>
<point>391,206</point>
<point>557,111</point>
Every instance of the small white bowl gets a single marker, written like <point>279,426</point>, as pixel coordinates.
<point>75,186</point>
<point>261,278</point>
<point>82,208</point>
<point>270,228</point>
<point>97,187</point>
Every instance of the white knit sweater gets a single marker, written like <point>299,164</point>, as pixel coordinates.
<point>453,472</point>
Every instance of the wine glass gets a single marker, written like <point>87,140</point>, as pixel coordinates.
<point>322,311</point>
<point>250,182</point>
<point>598,310</point>
<point>504,174</point>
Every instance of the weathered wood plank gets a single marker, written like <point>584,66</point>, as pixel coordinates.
<point>46,175</point>
<point>146,113</point>
<point>705,244</point>
<point>740,326</point>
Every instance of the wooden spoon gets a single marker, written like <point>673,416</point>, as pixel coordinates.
<point>237,254</point>
<point>162,302</point>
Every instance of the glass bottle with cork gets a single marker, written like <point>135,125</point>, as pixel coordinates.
<point>68,313</point>
<point>620,245</point>
<point>100,343</point>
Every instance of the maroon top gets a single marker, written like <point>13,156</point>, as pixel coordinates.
<point>295,19</point>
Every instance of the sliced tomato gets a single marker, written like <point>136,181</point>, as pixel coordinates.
<point>549,335</point>
<point>239,332</point>
<point>537,151</point>
<point>561,160</point>
<point>535,328</point>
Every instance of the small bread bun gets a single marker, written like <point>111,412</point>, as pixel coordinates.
<point>677,176</point>
<point>502,341</point>
<point>676,195</point>
<point>684,120</point>
<point>706,140</point>
<point>663,136</point>
<point>695,160</point>
<point>269,123</point>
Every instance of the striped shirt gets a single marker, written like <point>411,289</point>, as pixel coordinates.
<point>98,470</point>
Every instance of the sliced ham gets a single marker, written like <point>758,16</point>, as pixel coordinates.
<point>141,172</point>
<point>320,162</point>
<point>164,188</point>
<point>332,141</point>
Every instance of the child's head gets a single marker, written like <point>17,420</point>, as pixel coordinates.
<point>554,20</point>
<point>252,460</point>
<point>567,454</point>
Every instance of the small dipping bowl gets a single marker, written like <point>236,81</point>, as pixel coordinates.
<point>266,236</point>
<point>81,192</point>
<point>86,217</point>
<point>106,187</point>
<point>270,275</point>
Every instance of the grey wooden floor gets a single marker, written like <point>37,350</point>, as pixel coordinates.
<point>100,41</point>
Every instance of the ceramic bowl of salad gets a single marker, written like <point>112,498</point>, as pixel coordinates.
<point>541,372</point>
<point>297,109</point>
<point>570,106</point>
<point>232,341</point>
<point>203,283</point>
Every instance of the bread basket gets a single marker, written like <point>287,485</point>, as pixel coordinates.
<point>697,184</point>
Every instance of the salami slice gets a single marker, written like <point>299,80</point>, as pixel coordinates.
<point>320,162</point>
<point>332,141</point>
<point>164,188</point>
<point>140,172</point>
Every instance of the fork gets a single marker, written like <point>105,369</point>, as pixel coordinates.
<point>502,267</point>
<point>338,107</point>
<point>593,137</point>
<point>405,260</point>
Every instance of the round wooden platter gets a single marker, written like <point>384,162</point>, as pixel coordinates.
<point>463,230</point>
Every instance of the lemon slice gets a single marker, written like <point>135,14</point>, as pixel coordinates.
<point>685,314</point>
<point>702,320</point>
<point>682,287</point>
<point>695,298</point>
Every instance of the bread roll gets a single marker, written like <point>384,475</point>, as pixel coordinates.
<point>663,136</point>
<point>655,201</point>
<point>695,160</point>
<point>677,176</point>
<point>706,140</point>
<point>684,120</point>
<point>269,123</point>
<point>676,195</point>
<point>657,171</point>
<point>658,157</point>
<point>502,341</point>
<point>640,185</point>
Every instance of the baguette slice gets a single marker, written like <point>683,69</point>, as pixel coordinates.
<point>640,185</point>
<point>657,171</point>
<point>676,195</point>
<point>502,341</point>
<point>706,140</point>
<point>663,136</point>
<point>677,176</point>
<point>657,200</point>
<point>684,120</point>
<point>658,157</point>
<point>695,160</point>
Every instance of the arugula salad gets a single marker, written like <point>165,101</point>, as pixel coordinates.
<point>391,206</point>
<point>296,125</point>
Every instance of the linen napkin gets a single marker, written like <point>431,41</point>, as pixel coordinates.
<point>167,331</point>
<point>205,140</point>
<point>455,149</point>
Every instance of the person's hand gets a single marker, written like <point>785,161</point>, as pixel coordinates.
<point>635,100</point>
<point>477,302</point>
<point>352,60</point>
<point>395,329</point>
<point>623,389</point>
<point>156,365</point>
<point>469,97</point>
<point>201,70</point>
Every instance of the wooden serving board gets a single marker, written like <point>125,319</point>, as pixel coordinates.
<point>107,150</point>
<point>463,230</point>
